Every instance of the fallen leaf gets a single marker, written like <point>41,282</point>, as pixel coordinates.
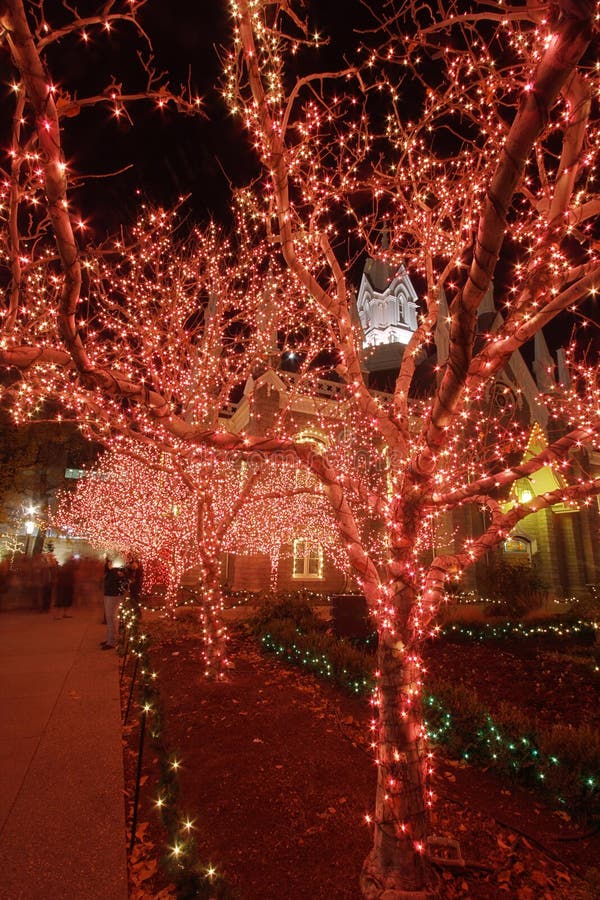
<point>562,815</point>
<point>144,871</point>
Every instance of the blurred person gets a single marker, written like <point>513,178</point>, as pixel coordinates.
<point>49,578</point>
<point>65,587</point>
<point>115,585</point>
<point>135,575</point>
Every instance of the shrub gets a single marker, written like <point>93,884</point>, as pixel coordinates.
<point>514,590</point>
<point>561,762</point>
<point>273,607</point>
<point>454,718</point>
<point>574,769</point>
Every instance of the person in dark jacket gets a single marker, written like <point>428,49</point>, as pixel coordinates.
<point>114,588</point>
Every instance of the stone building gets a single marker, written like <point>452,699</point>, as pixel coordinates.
<point>560,544</point>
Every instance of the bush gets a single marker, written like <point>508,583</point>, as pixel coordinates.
<point>319,652</point>
<point>454,718</point>
<point>274,607</point>
<point>513,590</point>
<point>561,762</point>
<point>588,607</point>
<point>575,776</point>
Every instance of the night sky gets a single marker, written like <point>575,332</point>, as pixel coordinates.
<point>170,154</point>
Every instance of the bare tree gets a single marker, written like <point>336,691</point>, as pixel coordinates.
<point>490,156</point>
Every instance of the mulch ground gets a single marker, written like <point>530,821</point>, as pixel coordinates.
<point>539,679</point>
<point>277,777</point>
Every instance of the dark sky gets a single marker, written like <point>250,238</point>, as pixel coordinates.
<point>171,154</point>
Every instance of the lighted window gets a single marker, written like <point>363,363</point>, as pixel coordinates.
<point>304,478</point>
<point>308,559</point>
<point>310,436</point>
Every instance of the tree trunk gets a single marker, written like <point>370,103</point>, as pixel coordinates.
<point>216,662</point>
<point>395,867</point>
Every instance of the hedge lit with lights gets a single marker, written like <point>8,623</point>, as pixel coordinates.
<point>562,763</point>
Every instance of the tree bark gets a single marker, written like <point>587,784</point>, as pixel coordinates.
<point>216,662</point>
<point>395,867</point>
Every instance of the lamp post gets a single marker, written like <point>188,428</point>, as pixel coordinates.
<point>29,531</point>
<point>30,528</point>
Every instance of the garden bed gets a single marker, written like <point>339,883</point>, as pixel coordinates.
<point>277,778</point>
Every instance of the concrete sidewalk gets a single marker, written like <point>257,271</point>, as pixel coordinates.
<point>62,811</point>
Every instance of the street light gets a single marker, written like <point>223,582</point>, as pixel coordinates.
<point>30,527</point>
<point>29,530</point>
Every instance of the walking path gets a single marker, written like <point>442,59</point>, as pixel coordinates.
<point>62,813</point>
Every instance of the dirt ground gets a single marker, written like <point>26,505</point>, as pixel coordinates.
<point>538,678</point>
<point>277,778</point>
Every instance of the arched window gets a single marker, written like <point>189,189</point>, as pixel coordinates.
<point>312,436</point>
<point>317,440</point>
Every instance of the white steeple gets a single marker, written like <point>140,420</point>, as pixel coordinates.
<point>386,305</point>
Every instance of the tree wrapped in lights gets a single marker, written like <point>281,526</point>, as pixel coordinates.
<point>173,513</point>
<point>492,160</point>
<point>285,507</point>
<point>34,186</point>
<point>185,515</point>
<point>458,182</point>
